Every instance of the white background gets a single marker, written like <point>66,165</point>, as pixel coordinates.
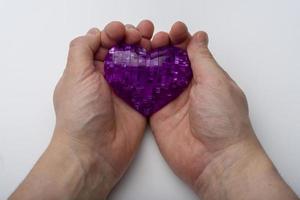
<point>256,41</point>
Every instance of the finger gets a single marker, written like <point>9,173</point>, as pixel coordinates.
<point>129,26</point>
<point>113,33</point>
<point>160,39</point>
<point>101,53</point>
<point>202,61</point>
<point>179,35</point>
<point>99,65</point>
<point>145,43</point>
<point>132,35</point>
<point>82,50</point>
<point>146,28</point>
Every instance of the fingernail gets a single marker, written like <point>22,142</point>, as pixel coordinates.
<point>129,26</point>
<point>202,38</point>
<point>93,31</point>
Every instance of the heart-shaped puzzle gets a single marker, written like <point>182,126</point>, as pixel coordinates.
<point>147,81</point>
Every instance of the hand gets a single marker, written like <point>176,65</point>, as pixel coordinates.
<point>208,117</point>
<point>89,115</point>
<point>95,130</point>
<point>205,135</point>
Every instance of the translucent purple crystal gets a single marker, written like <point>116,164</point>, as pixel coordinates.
<point>147,81</point>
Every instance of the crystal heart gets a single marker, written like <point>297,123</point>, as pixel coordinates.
<point>147,81</point>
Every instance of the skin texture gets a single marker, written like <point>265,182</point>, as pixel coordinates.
<point>100,131</point>
<point>205,135</point>
<point>205,116</point>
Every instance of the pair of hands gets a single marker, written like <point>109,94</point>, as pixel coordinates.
<point>207,117</point>
<point>205,134</point>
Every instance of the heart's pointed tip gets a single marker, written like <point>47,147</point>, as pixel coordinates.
<point>146,113</point>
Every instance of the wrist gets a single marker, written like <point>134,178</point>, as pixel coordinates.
<point>240,164</point>
<point>242,171</point>
<point>57,175</point>
<point>96,174</point>
<point>62,170</point>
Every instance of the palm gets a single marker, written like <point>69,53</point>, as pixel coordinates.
<point>191,129</point>
<point>201,122</point>
<point>185,153</point>
<point>89,111</point>
<point>125,127</point>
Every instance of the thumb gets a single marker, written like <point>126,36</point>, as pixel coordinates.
<point>202,61</point>
<point>82,50</point>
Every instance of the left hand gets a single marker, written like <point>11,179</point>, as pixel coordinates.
<point>89,114</point>
<point>95,130</point>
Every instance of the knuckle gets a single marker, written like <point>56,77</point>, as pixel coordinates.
<point>234,88</point>
<point>77,41</point>
<point>215,82</point>
<point>242,94</point>
<point>205,53</point>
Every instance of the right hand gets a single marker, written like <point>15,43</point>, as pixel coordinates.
<point>205,134</point>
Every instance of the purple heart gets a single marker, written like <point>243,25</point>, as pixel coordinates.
<point>147,81</point>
